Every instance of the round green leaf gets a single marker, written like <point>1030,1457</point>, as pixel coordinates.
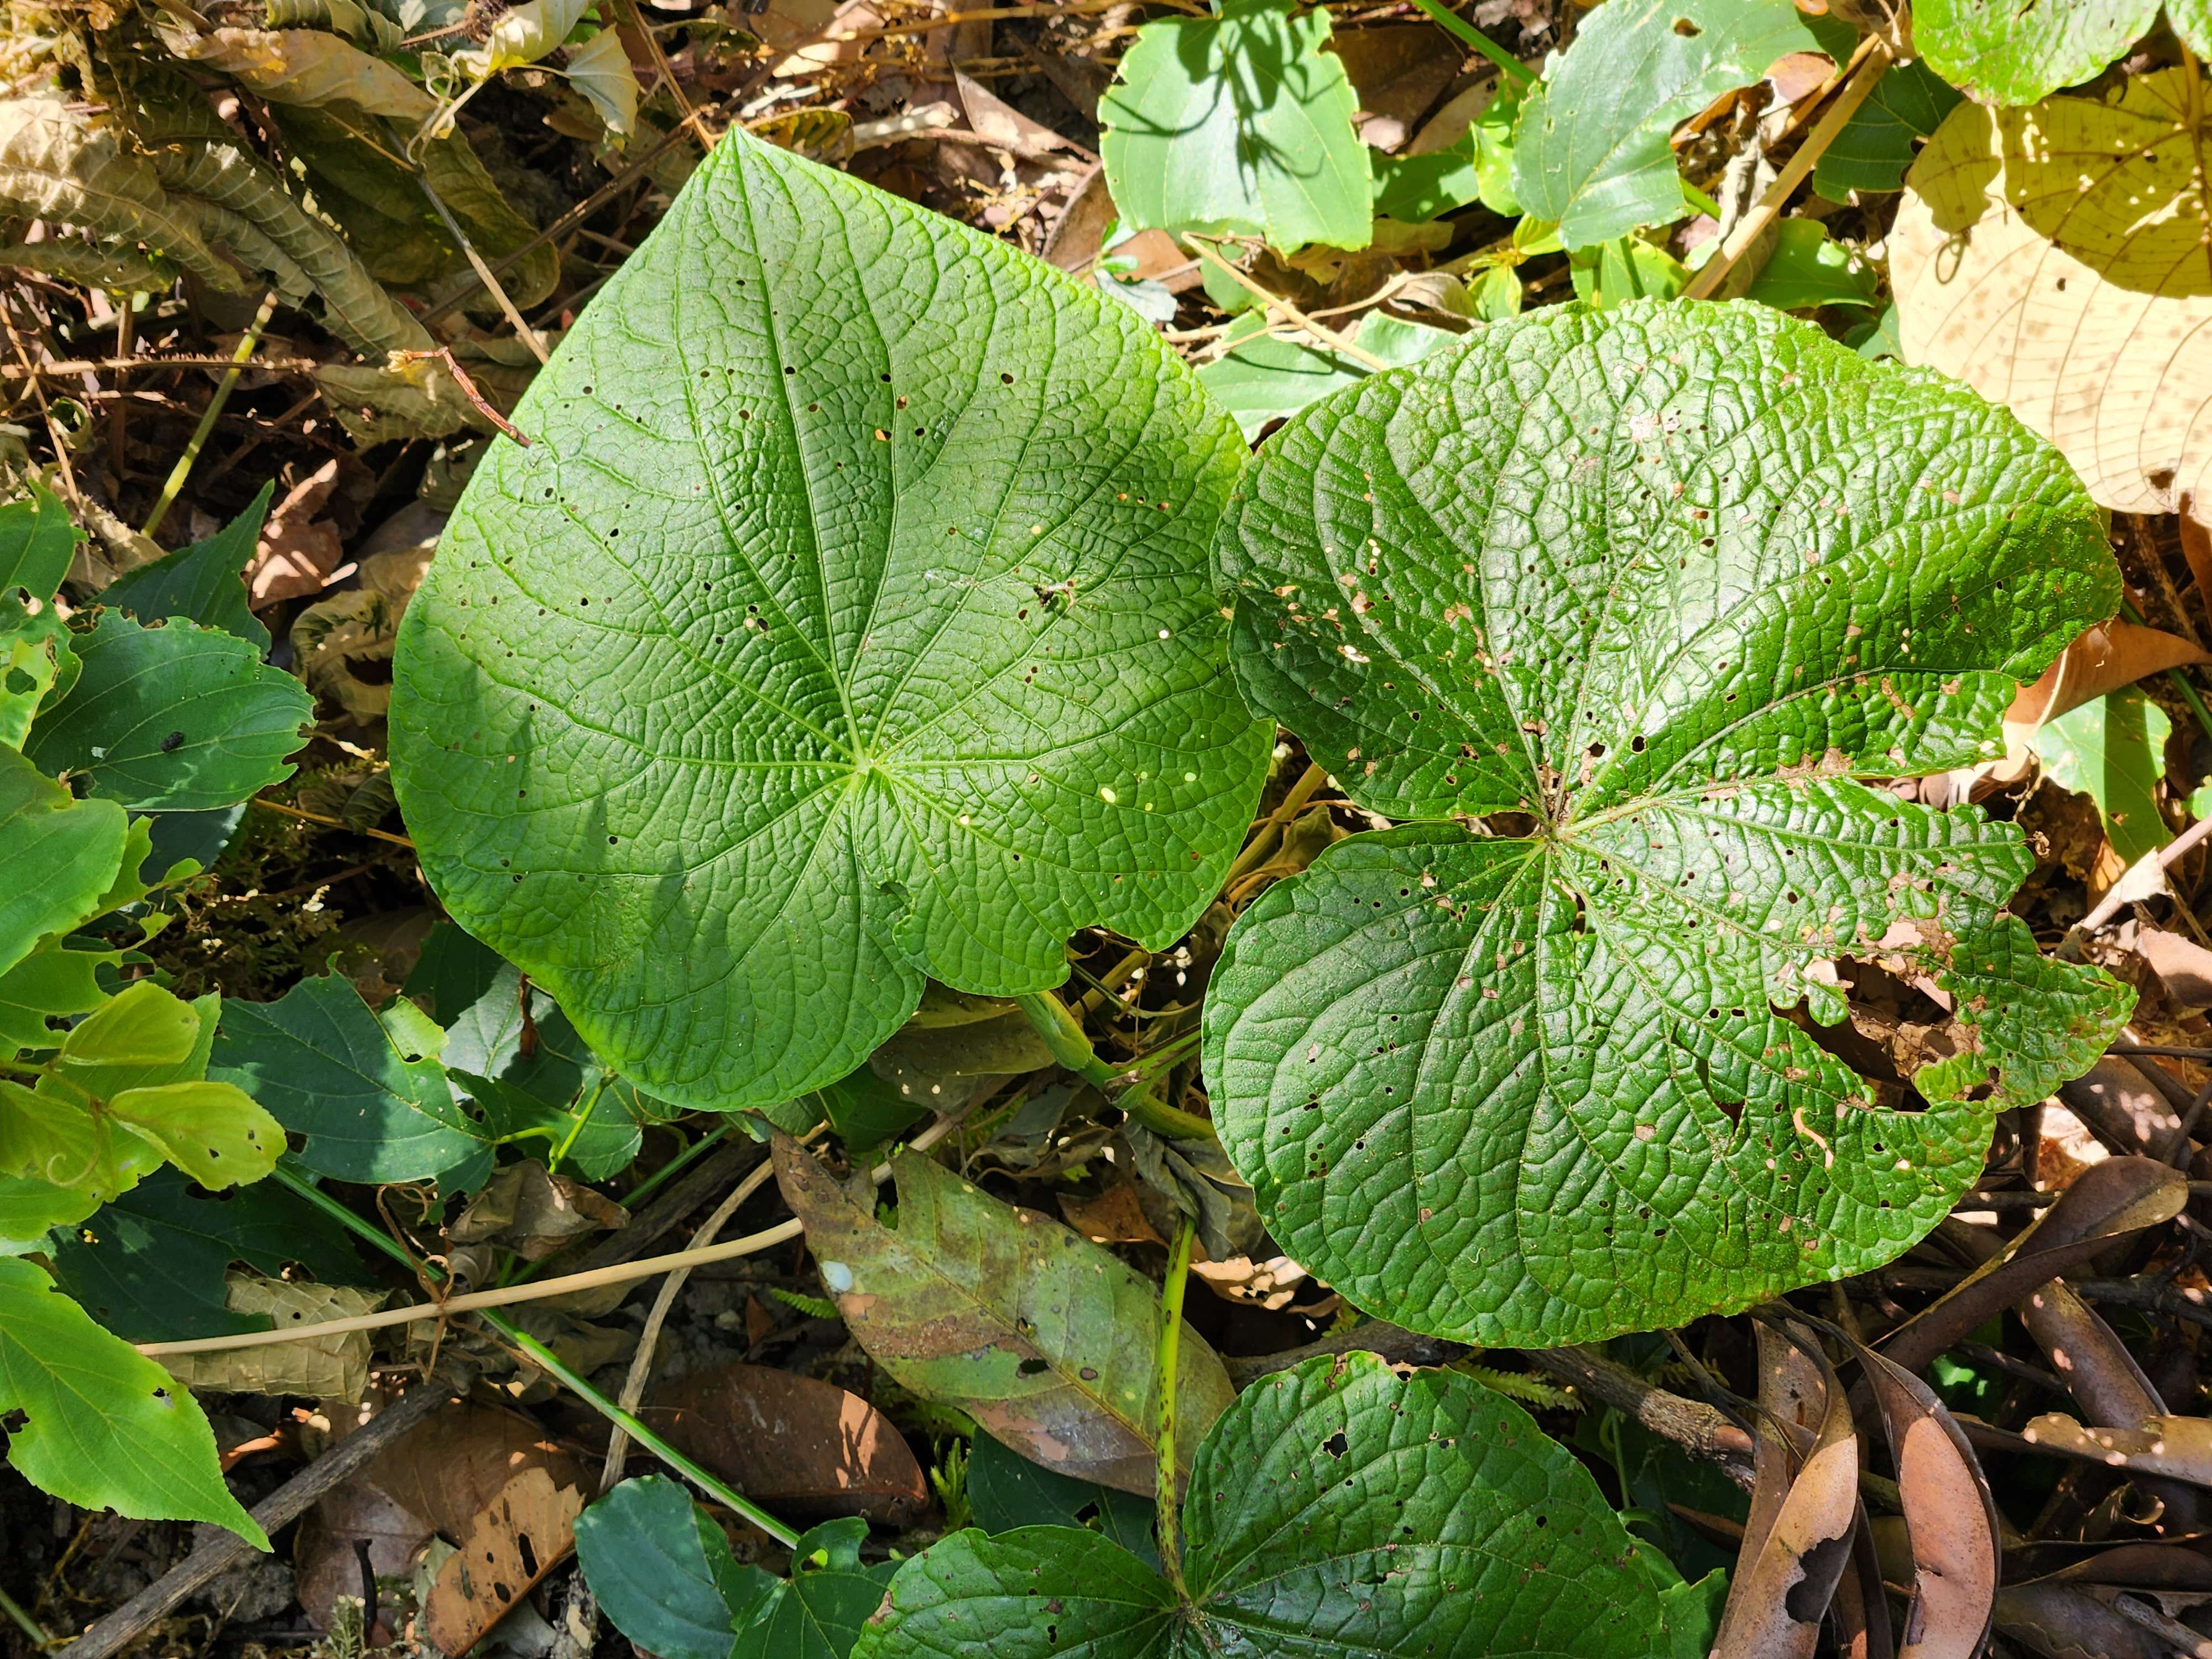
<point>1649,591</point>
<point>846,621</point>
<point>1334,1509</point>
<point>2001,52</point>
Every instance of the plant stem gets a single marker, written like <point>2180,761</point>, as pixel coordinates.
<point>1873,58</point>
<point>24,1622</point>
<point>1257,849</point>
<point>544,1357</point>
<point>1452,23</point>
<point>1070,1045</point>
<point>183,469</point>
<point>1169,1492</point>
<point>675,1166</point>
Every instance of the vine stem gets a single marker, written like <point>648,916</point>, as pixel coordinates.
<point>1072,1048</point>
<point>1452,23</point>
<point>1169,1354</point>
<point>24,1622</point>
<point>173,486</point>
<point>538,1354</point>
<point>1873,59</point>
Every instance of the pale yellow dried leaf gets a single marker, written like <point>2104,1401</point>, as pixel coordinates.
<point>335,1367</point>
<point>599,68</point>
<point>2058,259</point>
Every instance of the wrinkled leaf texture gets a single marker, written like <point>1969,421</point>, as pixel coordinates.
<point>1334,1510</point>
<point>846,621</point>
<point>1661,587</point>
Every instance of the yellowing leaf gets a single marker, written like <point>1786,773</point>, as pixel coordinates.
<point>599,68</point>
<point>328,1367</point>
<point>46,1135</point>
<point>300,66</point>
<point>211,1130</point>
<point>2054,259</point>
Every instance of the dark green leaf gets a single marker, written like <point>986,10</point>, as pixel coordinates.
<point>1007,1491</point>
<point>1334,1509</point>
<point>58,856</point>
<point>455,970</point>
<point>178,718</point>
<point>369,1094</point>
<point>846,621</point>
<point>818,1612</point>
<point>595,1137</point>
<point>1652,591</point>
<point>663,1573</point>
<point>199,836</point>
<point>1876,145</point>
<point>202,583</point>
<point>865,1110</point>
<point>150,1264</point>
<point>486,1038</point>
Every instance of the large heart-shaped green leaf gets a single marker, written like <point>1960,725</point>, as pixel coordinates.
<point>1334,1510</point>
<point>2002,52</point>
<point>1651,591</point>
<point>846,621</point>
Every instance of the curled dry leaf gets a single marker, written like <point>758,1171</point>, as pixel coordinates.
<point>522,1535</point>
<point>2183,966</point>
<point>2081,306</point>
<point>326,1554</point>
<point>1950,1518</point>
<point>525,1209</point>
<point>341,642</point>
<point>1045,1338</point>
<point>297,553</point>
<point>797,1444</point>
<point>2123,1106</point>
<point>327,1367</point>
<point>1782,1590</point>
<point>2119,1196</point>
<point>2111,655</point>
<point>2061,1622</point>
<point>2177,1448</point>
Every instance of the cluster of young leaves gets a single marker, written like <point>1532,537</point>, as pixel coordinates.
<point>126,728</point>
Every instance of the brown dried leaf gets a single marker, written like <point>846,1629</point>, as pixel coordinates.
<point>1115,1217</point>
<point>521,1536</point>
<point>794,1442</point>
<point>1045,1338</point>
<point>325,1559</point>
<point>2177,1448</point>
<point>449,1468</point>
<point>2104,658</point>
<point>2119,1196</point>
<point>2061,1622</point>
<point>1779,1596</point>
<point>2183,966</point>
<point>299,66</point>
<point>525,1209</point>
<point>1951,1519</point>
<point>1398,70</point>
<point>296,555</point>
<point>329,1367</point>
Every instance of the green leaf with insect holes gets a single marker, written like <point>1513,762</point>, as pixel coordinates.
<point>1999,51</point>
<point>1335,1512</point>
<point>846,621</point>
<point>105,1427</point>
<point>178,718</point>
<point>1624,610</point>
<point>37,542</point>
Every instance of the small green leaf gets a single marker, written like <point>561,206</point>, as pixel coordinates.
<point>106,1428</point>
<point>1265,378</point>
<point>599,1135</point>
<point>178,718</point>
<point>1809,268</point>
<point>819,1611</point>
<point>1239,125</point>
<point>149,1265</point>
<point>1651,591</point>
<point>1612,274</point>
<point>2113,750</point>
<point>214,1132</point>
<point>1008,1492</point>
<point>2003,53</point>
<point>49,1133</point>
<point>204,583</point>
<point>143,1028</point>
<point>865,1110</point>
<point>1047,1339</point>
<point>1477,167</point>
<point>37,542</point>
<point>662,1570</point>
<point>1878,143</point>
<point>1333,1510</point>
<point>58,856</point>
<point>30,1208</point>
<point>455,970</point>
<point>1591,154</point>
<point>372,1109</point>
<point>855,628</point>
<point>34,649</point>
